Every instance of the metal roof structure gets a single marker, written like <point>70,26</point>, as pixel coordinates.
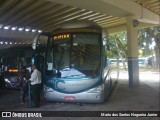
<point>152,5</point>
<point>32,16</point>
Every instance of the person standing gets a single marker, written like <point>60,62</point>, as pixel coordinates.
<point>24,75</point>
<point>35,80</point>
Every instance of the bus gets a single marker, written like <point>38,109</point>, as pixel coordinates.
<point>13,59</point>
<point>75,64</point>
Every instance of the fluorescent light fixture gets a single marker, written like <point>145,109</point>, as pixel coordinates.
<point>13,28</point>
<point>39,31</point>
<point>20,29</point>
<point>6,43</point>
<point>27,29</point>
<point>33,30</point>
<point>6,27</point>
<point>10,43</point>
<point>1,42</point>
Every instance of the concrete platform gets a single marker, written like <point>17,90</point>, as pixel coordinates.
<point>144,98</point>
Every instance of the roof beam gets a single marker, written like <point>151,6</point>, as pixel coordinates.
<point>122,27</point>
<point>19,35</point>
<point>94,5</point>
<point>119,8</point>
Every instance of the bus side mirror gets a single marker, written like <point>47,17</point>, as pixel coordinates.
<point>35,41</point>
<point>38,39</point>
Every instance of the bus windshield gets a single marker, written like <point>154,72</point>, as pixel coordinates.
<point>76,56</point>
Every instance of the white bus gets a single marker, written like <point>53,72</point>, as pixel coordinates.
<point>76,67</point>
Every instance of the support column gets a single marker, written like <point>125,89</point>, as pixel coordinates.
<point>133,67</point>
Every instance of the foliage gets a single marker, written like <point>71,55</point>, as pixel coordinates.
<point>121,47</point>
<point>117,43</point>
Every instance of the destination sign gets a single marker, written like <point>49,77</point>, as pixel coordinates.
<point>62,36</point>
<point>13,70</point>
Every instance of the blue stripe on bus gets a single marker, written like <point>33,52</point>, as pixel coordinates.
<point>70,79</point>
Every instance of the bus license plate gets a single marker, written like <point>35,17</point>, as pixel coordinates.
<point>69,98</point>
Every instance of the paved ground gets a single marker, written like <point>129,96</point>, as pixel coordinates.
<point>144,98</point>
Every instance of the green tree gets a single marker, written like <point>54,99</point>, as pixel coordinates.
<point>146,37</point>
<point>117,44</point>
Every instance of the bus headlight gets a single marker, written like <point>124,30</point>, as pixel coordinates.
<point>96,89</point>
<point>47,89</point>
